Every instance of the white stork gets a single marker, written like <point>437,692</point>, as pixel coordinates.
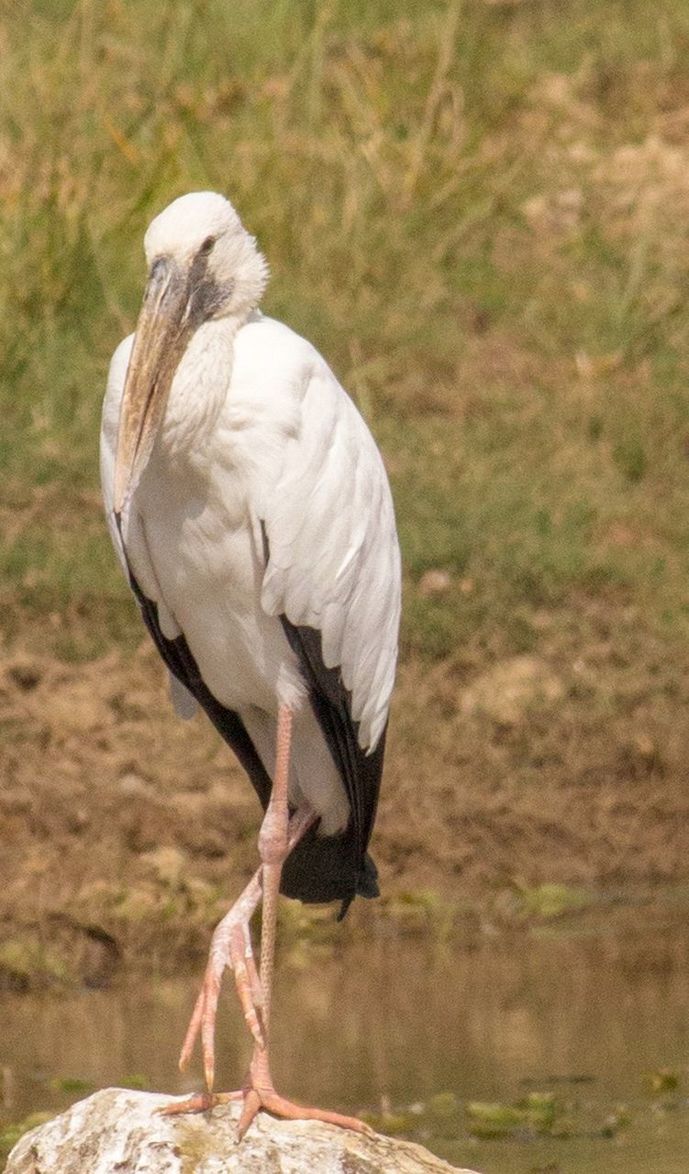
<point>250,509</point>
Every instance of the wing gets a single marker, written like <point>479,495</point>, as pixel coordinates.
<point>184,670</point>
<point>333,578</point>
<point>334,561</point>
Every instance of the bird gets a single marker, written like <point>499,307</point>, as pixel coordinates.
<point>251,512</point>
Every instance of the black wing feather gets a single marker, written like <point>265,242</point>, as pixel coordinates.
<point>332,704</point>
<point>320,868</point>
<point>361,773</point>
<point>178,658</point>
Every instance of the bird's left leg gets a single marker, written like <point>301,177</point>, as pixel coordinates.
<point>277,837</point>
<point>273,846</point>
<point>231,948</point>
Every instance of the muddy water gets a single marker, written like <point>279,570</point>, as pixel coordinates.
<point>592,1019</point>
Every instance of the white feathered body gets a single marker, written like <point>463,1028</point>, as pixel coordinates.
<point>260,444</point>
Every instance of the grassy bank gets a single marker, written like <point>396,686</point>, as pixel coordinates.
<point>478,212</point>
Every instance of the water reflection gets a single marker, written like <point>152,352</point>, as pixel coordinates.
<point>401,1020</point>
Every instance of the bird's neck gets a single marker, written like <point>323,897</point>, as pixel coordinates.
<point>199,390</point>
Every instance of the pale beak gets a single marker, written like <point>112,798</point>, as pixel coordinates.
<point>162,333</point>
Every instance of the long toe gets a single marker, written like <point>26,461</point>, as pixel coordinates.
<point>200,1102</point>
<point>254,1100</point>
<point>280,1107</point>
<point>230,950</point>
<point>268,1099</point>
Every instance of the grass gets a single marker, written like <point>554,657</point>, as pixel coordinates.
<point>477,211</point>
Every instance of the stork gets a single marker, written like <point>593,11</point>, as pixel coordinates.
<point>250,509</point>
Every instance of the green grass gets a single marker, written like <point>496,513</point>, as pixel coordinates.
<point>477,211</point>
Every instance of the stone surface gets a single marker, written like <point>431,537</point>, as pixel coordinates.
<point>119,1130</point>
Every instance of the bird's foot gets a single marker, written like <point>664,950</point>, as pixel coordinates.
<point>230,949</point>
<point>256,1099</point>
<point>259,1093</point>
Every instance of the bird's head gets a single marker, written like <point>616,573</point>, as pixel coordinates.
<point>202,265</point>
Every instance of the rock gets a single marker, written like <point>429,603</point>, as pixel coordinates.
<point>118,1129</point>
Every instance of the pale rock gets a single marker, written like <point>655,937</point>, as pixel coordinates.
<point>120,1130</point>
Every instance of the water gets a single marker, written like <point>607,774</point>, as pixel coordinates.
<point>395,1021</point>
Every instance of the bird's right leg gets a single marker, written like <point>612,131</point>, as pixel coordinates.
<point>231,948</point>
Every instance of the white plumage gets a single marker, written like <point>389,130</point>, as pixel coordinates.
<point>250,510</point>
<point>257,430</point>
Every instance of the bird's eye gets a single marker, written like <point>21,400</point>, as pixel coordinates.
<point>207,245</point>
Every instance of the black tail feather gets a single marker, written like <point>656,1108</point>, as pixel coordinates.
<point>320,868</point>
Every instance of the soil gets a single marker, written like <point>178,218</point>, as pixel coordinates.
<point>125,831</point>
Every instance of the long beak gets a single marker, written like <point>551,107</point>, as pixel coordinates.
<point>162,333</point>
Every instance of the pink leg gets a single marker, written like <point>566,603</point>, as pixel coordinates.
<point>232,947</point>
<point>274,849</point>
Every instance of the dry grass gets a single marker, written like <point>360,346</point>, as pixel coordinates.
<point>478,212</point>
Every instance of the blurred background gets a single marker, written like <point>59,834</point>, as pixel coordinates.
<point>479,213</point>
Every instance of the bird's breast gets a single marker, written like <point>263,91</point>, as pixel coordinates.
<point>208,562</point>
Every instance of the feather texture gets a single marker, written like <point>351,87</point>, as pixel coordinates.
<point>260,543</point>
